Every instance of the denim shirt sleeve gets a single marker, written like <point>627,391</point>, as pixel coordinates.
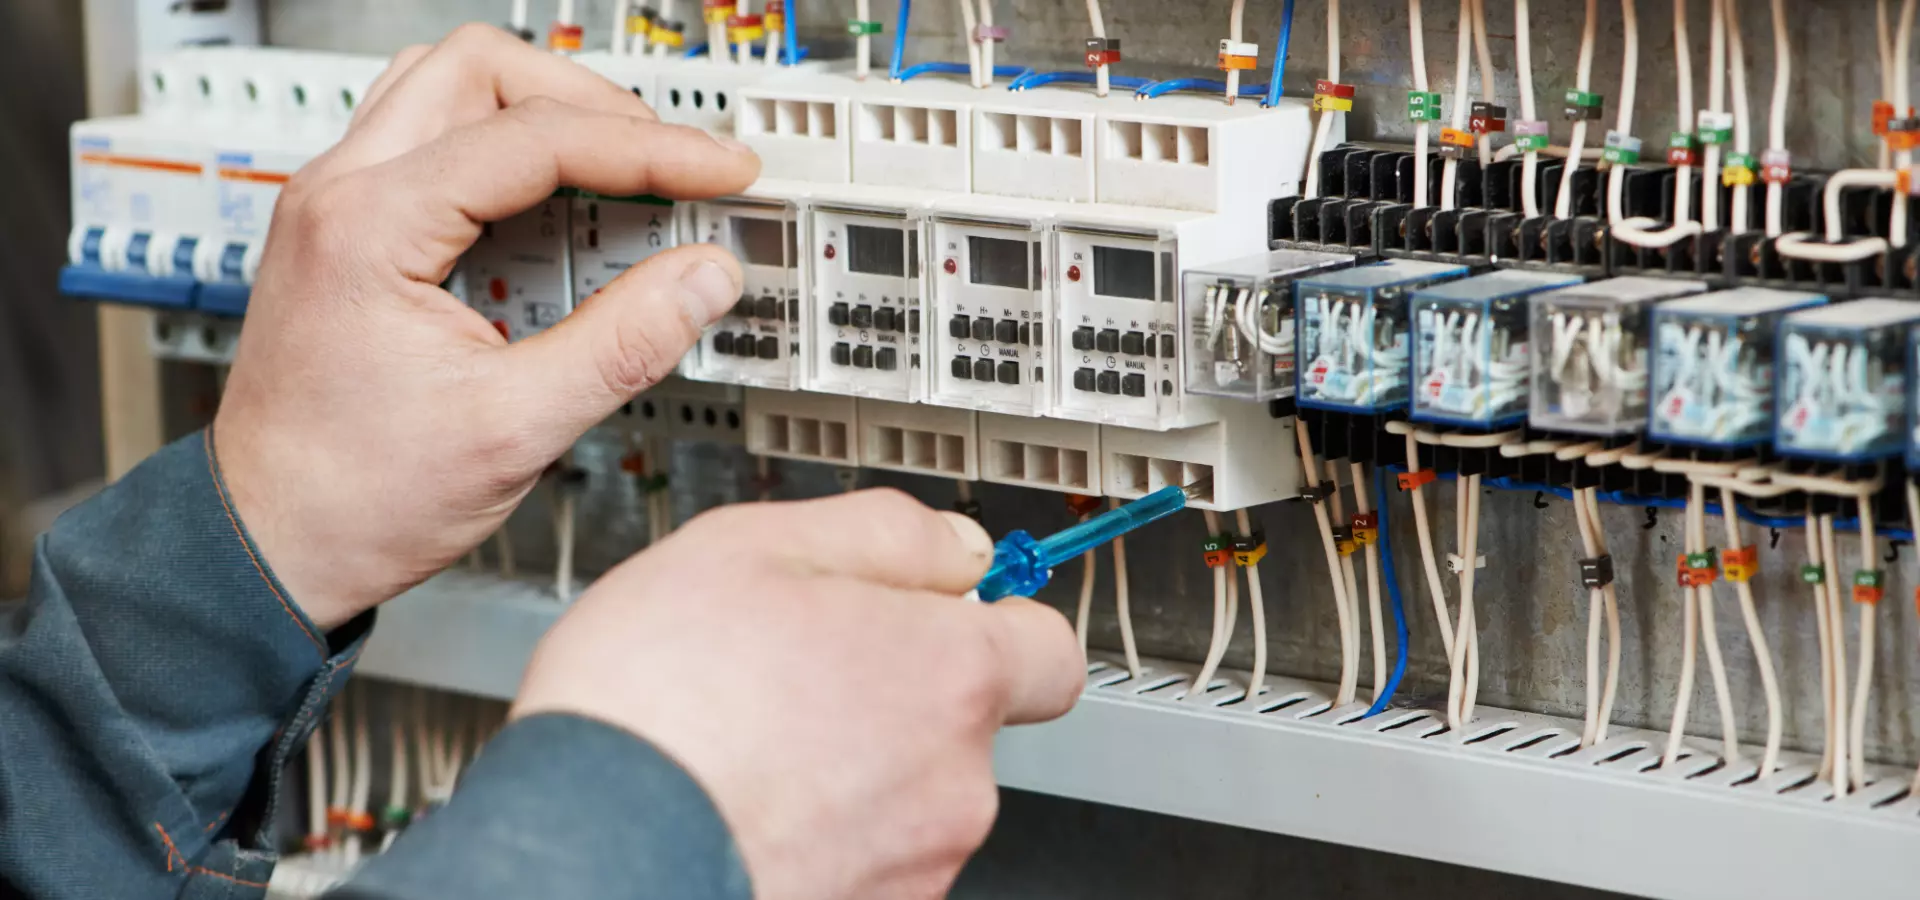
<point>152,687</point>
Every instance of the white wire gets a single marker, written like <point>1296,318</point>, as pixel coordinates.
<point>1463,70</point>
<point>1350,678</point>
<point>986,47</point>
<point>342,772</point>
<point>1902,99</point>
<point>1817,559</point>
<point>1421,130</point>
<point>1379,631</point>
<point>1103,79</point>
<point>1710,634</point>
<point>862,44</point>
<point>1611,595</point>
<point>1523,50</point>
<point>1465,662</point>
<point>1777,112</point>
<point>1882,43</point>
<point>618,46</point>
<point>1583,80</point>
<point>503,544</point>
<point>971,22</point>
<point>1841,756</point>
<point>1741,217</point>
<point>1795,245</point>
<point>1635,231</point>
<point>1623,119</point>
<point>1595,604</point>
<point>563,533</point>
<point>362,776</point>
<point>1121,600</point>
<point>565,14</point>
<point>518,17</point>
<point>1690,639</point>
<point>1762,652</point>
<point>1310,478</point>
<point>1259,605</point>
<point>1863,688</point>
<point>1236,31</point>
<point>775,38</point>
<point>1484,51</point>
<point>317,783</point>
<point>1716,102</point>
<point>1427,557</point>
<point>1223,579</point>
<point>1088,563</point>
<point>1324,127</point>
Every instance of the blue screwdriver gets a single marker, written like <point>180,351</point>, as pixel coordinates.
<point>1023,564</point>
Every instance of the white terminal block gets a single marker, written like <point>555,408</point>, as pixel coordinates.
<point>1117,300</point>
<point>1244,453</point>
<point>704,92</point>
<point>833,129</point>
<point>680,410</point>
<point>800,133</point>
<point>864,292</point>
<point>919,439</point>
<point>762,342</point>
<point>1049,454</point>
<point>518,273</point>
<point>613,234</point>
<point>803,426</point>
<point>990,304</point>
<point>1037,144</point>
<point>1197,153</point>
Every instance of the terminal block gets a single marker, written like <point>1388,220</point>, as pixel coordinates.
<point>1842,381</point>
<point>1590,354</point>
<point>1472,348</point>
<point>1237,320</point>
<point>1713,366</point>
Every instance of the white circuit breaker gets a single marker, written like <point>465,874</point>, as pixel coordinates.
<point>760,342</point>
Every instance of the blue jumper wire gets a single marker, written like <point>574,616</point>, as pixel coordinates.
<point>1023,564</point>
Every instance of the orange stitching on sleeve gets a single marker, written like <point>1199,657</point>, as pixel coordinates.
<point>218,820</point>
<point>172,851</point>
<point>233,520</point>
<point>202,870</point>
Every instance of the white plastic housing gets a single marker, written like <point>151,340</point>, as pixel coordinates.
<point>803,426</point>
<point>248,173</point>
<point>747,347</point>
<point>639,75</point>
<point>191,337</point>
<point>613,234</point>
<point>518,274</point>
<point>680,410</point>
<point>145,184</point>
<point>864,299</point>
<point>1036,144</point>
<point>919,439</point>
<point>1181,152</point>
<point>800,133</point>
<point>978,273</point>
<point>1049,454</point>
<point>1243,453</point>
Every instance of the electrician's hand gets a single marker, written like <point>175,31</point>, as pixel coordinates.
<point>811,664</point>
<point>374,429</point>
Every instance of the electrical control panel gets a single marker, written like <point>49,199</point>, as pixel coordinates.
<point>1237,321</point>
<point>1471,350</point>
<point>518,271</point>
<point>991,306</point>
<point>1841,382</point>
<point>760,342</point>
<point>1713,366</point>
<point>1590,363</point>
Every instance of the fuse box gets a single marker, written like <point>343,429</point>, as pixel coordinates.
<point>1237,322</point>
<point>759,343</point>
<point>1713,366</point>
<point>1590,361</point>
<point>518,272</point>
<point>1354,334</point>
<point>1841,381</point>
<point>991,306</point>
<point>1471,347</point>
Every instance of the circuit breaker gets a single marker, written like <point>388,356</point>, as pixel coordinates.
<point>140,208</point>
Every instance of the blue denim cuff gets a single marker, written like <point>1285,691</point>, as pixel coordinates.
<point>563,806</point>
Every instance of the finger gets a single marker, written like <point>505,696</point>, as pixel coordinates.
<point>402,62</point>
<point>619,342</point>
<point>1041,668</point>
<point>475,72</point>
<point>435,198</point>
<point>881,536</point>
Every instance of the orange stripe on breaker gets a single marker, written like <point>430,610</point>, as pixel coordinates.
<point>255,175</point>
<point>142,162</point>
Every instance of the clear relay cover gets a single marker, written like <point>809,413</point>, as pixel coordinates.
<point>1590,354</point>
<point>1470,343</point>
<point>1842,381</point>
<point>1713,366</point>
<point>1238,322</point>
<point>1353,333</point>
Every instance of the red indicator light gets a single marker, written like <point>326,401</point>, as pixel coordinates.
<point>497,289</point>
<point>831,253</point>
<point>950,266</point>
<point>1073,273</point>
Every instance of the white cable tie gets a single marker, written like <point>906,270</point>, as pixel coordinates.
<point>1457,563</point>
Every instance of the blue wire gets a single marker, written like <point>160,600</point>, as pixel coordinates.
<point>1393,592</point>
<point>900,41</point>
<point>791,51</point>
<point>1160,88</point>
<point>958,68</point>
<point>1280,54</point>
<point>1035,80</point>
<point>788,52</point>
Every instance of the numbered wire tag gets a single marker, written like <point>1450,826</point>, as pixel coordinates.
<point>1454,143</point>
<point>1903,134</point>
<point>1423,106</point>
<point>746,29</point>
<point>1102,52</point>
<point>997,34</point>
<point>1585,106</point>
<point>1776,167</point>
<point>640,24</point>
<point>1715,127</point>
<point>1813,574</point>
<point>1217,550</point>
<point>1249,549</point>
<point>1366,528</point>
<point>1082,504</point>
<point>1882,118</point>
<point>1244,56</point>
<point>1869,586</point>
<point>1739,171</point>
<point>1332,96</point>
<point>1683,149</point>
<point>564,38</point>
<point>1531,135</point>
<point>1621,149</point>
<point>716,12</point>
<point>668,34</point>
<point>1486,118</point>
<point>862,28</point>
<point>1413,481</point>
<point>395,818</point>
<point>1343,540</point>
<point>1741,563</point>
<point>1597,572</point>
<point>776,15</point>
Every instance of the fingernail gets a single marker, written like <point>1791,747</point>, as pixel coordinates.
<point>973,538</point>
<point>710,292</point>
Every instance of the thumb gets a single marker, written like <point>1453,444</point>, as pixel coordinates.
<point>619,342</point>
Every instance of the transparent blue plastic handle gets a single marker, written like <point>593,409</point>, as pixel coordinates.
<point>1023,565</point>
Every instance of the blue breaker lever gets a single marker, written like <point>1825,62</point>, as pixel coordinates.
<point>1023,564</point>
